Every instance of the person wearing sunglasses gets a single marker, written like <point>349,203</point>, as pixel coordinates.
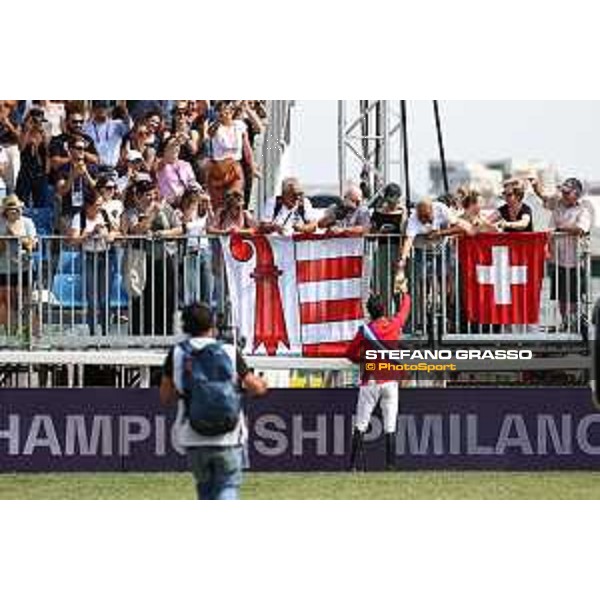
<point>181,130</point>
<point>140,141</point>
<point>514,215</point>
<point>229,144</point>
<point>92,231</point>
<point>290,212</point>
<point>106,132</point>
<point>18,239</point>
<point>233,217</point>
<point>113,206</point>
<point>58,148</point>
<point>571,221</point>
<point>79,174</point>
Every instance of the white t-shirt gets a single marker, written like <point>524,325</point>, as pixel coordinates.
<point>3,165</point>
<point>565,247</point>
<point>114,209</point>
<point>227,143</point>
<point>185,436</point>
<point>286,217</point>
<point>107,138</point>
<point>442,218</point>
<point>90,244</point>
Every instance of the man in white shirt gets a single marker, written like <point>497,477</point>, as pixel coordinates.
<point>106,133</point>
<point>291,212</point>
<point>215,460</point>
<point>433,221</point>
<point>428,226</point>
<point>571,220</point>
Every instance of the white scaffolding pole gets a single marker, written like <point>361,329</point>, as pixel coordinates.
<point>370,144</point>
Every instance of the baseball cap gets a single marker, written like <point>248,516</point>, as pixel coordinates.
<point>145,186</point>
<point>392,191</point>
<point>572,184</point>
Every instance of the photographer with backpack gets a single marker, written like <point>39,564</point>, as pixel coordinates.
<point>206,378</point>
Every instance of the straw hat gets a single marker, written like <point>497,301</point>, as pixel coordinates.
<point>11,201</point>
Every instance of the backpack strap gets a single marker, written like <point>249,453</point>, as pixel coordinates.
<point>278,207</point>
<point>106,219</point>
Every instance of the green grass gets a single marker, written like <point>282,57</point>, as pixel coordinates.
<point>410,486</point>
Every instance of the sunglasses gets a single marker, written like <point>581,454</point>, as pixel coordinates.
<point>77,122</point>
<point>110,187</point>
<point>80,148</point>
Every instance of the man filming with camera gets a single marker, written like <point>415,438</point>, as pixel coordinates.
<point>205,378</point>
<point>292,212</point>
<point>349,216</point>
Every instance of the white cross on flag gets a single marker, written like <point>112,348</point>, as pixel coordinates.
<point>502,276</point>
<point>299,295</point>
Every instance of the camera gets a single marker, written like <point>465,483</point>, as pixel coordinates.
<point>342,210</point>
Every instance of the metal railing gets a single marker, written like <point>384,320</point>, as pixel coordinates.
<point>124,294</point>
<point>128,294</point>
<point>436,283</point>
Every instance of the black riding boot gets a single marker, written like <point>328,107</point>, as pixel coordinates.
<point>358,451</point>
<point>390,451</point>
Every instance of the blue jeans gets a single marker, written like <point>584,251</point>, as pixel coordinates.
<point>217,471</point>
<point>96,291</point>
<point>198,285</point>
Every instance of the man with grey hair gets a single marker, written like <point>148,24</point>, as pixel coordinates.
<point>351,215</point>
<point>430,221</point>
<point>427,229</point>
<point>571,221</point>
<point>291,212</point>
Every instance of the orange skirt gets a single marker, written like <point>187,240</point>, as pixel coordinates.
<point>221,176</point>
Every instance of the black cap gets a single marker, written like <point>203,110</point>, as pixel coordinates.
<point>141,187</point>
<point>100,104</point>
<point>375,307</point>
<point>573,184</point>
<point>392,191</point>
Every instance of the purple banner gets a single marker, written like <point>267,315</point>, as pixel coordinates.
<point>305,430</point>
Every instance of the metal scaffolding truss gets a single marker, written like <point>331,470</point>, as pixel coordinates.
<point>270,150</point>
<point>373,145</point>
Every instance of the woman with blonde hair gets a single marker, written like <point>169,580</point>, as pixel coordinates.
<point>18,239</point>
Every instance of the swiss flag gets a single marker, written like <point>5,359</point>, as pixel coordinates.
<point>502,277</point>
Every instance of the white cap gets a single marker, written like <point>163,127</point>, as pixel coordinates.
<point>134,155</point>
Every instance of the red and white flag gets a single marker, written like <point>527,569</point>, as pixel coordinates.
<point>300,295</point>
<point>502,275</point>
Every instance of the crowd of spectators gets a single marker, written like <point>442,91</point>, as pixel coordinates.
<point>167,170</point>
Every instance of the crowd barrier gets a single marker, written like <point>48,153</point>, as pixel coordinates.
<point>128,293</point>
